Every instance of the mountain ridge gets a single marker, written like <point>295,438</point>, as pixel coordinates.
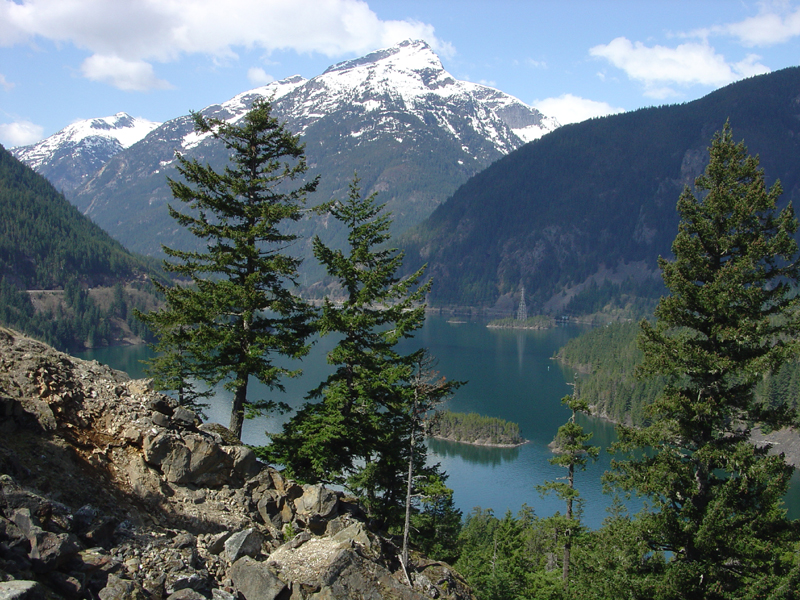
<point>68,156</point>
<point>595,199</point>
<point>411,131</point>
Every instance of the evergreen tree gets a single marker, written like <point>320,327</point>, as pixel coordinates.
<point>730,318</point>
<point>572,452</point>
<point>357,434</point>
<point>429,390</point>
<point>239,313</point>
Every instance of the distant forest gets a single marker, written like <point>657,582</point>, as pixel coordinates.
<point>47,245</point>
<point>606,359</point>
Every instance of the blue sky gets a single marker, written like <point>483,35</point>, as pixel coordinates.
<point>65,60</point>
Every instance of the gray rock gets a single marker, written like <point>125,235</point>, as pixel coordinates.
<point>209,465</point>
<point>176,465</point>
<point>122,589</point>
<point>217,545</point>
<point>183,581</point>
<point>27,524</point>
<point>160,419</point>
<point>270,507</point>
<point>157,446</point>
<point>160,404</point>
<point>255,581</point>
<point>51,550</point>
<point>186,594</point>
<point>243,543</point>
<point>184,416</point>
<point>245,462</point>
<point>21,590</point>
<point>316,500</point>
<point>218,594</point>
<point>357,534</point>
<point>70,586</point>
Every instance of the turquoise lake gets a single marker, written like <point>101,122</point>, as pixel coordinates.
<point>510,374</point>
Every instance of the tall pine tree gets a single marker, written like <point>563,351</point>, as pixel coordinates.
<point>238,314</point>
<point>572,452</point>
<point>355,431</point>
<point>730,318</point>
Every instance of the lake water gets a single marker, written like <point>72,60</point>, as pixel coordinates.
<point>510,375</point>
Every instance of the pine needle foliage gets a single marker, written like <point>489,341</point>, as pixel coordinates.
<point>730,318</point>
<point>355,429</point>
<point>238,314</point>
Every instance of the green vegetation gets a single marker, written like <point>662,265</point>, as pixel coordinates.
<point>83,284</point>
<point>535,322</point>
<point>606,360</point>
<point>473,428</point>
<point>593,197</point>
<point>730,316</point>
<point>239,313</point>
<point>359,433</point>
<point>44,240</point>
<point>572,452</point>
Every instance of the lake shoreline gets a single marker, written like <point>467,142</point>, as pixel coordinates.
<point>479,442</point>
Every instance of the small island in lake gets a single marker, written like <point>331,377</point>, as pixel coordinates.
<point>474,429</point>
<point>534,322</point>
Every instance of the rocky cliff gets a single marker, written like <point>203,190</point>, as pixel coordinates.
<point>110,490</point>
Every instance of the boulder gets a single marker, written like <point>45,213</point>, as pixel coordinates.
<point>184,417</point>
<point>255,581</point>
<point>122,589</point>
<point>21,590</point>
<point>316,500</point>
<point>244,543</point>
<point>245,462</point>
<point>51,550</point>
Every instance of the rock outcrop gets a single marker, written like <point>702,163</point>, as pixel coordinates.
<point>111,490</point>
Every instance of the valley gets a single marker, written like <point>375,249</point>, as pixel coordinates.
<point>489,199</point>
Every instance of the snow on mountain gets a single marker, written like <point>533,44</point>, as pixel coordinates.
<point>410,77</point>
<point>113,134</point>
<point>235,108</point>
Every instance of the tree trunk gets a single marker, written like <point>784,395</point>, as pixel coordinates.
<point>237,411</point>
<point>407,525</point>
<point>568,532</point>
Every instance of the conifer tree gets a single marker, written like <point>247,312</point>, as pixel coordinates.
<point>731,317</point>
<point>428,391</point>
<point>572,452</point>
<point>239,314</point>
<point>355,431</point>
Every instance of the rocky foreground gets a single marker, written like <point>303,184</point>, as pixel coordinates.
<point>110,490</point>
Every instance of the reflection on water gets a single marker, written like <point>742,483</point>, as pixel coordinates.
<point>476,455</point>
<point>510,374</point>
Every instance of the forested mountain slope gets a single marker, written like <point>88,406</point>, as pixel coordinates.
<point>48,246</point>
<point>596,200</point>
<point>411,130</point>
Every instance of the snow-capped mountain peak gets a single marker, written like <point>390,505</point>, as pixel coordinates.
<point>117,132</point>
<point>410,77</point>
<point>411,54</point>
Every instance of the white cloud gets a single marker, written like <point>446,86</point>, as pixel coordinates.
<point>258,76</point>
<point>659,67</point>
<point>573,109</point>
<point>6,85</point>
<point>765,29</point>
<point>135,31</point>
<point>20,133</point>
<point>127,75</point>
